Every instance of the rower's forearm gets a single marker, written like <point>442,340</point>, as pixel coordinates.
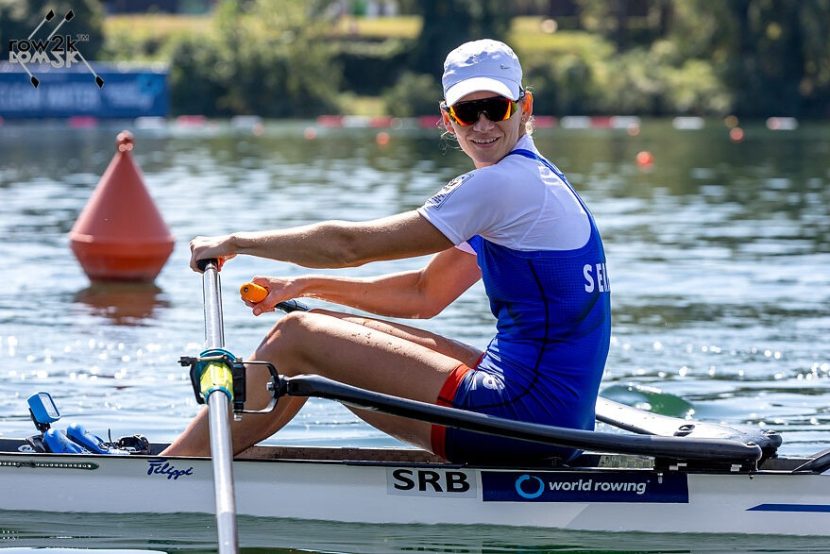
<point>322,245</point>
<point>395,295</point>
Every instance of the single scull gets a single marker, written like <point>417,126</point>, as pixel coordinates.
<point>679,490</point>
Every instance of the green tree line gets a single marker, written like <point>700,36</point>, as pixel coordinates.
<point>279,58</point>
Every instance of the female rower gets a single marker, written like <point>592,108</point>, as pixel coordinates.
<point>514,222</point>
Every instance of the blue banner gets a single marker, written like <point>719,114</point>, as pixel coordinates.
<point>62,93</point>
<point>571,486</point>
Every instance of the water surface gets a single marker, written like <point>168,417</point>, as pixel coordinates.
<point>718,256</point>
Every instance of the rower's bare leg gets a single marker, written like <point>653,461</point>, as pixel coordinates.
<point>195,440</point>
<point>318,343</point>
<point>376,355</point>
<point>465,353</point>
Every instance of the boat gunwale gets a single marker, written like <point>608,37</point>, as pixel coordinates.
<point>411,457</point>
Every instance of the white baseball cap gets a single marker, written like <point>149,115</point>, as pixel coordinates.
<point>487,65</point>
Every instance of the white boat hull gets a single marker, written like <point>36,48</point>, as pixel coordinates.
<point>416,491</point>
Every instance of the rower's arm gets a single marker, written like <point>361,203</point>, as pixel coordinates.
<point>335,244</point>
<point>412,294</point>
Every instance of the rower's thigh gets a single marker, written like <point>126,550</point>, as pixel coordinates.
<point>415,432</point>
<point>465,353</point>
<point>317,343</point>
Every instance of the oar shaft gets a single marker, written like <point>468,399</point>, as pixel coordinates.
<point>221,450</point>
<point>221,445</point>
<point>212,291</point>
<point>680,448</point>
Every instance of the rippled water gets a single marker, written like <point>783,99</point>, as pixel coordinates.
<point>718,256</point>
<point>189,534</point>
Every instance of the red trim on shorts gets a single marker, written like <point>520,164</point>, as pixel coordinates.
<point>445,398</point>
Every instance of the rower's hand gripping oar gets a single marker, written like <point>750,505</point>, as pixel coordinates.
<point>216,388</point>
<point>256,293</point>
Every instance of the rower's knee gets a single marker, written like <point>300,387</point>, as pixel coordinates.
<point>288,338</point>
<point>285,330</point>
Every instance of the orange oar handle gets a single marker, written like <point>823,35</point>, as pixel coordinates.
<point>253,292</point>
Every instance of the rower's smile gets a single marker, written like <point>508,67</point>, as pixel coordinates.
<point>484,141</point>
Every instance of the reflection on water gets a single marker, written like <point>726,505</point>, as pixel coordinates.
<point>191,534</point>
<point>122,303</point>
<point>718,257</point>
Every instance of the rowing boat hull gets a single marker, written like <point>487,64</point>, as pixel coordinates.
<point>409,490</point>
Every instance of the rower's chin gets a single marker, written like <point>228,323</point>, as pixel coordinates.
<point>487,153</point>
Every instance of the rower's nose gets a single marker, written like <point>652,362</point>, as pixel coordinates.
<point>483,123</point>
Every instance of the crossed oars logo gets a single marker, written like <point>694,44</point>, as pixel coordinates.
<point>24,48</point>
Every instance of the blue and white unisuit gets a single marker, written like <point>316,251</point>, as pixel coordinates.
<point>544,271</point>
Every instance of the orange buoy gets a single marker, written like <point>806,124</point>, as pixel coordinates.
<point>120,234</point>
<point>645,158</point>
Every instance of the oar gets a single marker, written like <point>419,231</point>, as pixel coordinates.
<point>679,448</point>
<point>217,378</point>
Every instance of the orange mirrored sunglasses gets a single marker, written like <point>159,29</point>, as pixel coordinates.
<point>495,108</point>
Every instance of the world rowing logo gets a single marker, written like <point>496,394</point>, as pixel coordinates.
<point>535,490</point>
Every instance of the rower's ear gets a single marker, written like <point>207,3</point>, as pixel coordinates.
<point>527,105</point>
<point>445,120</point>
